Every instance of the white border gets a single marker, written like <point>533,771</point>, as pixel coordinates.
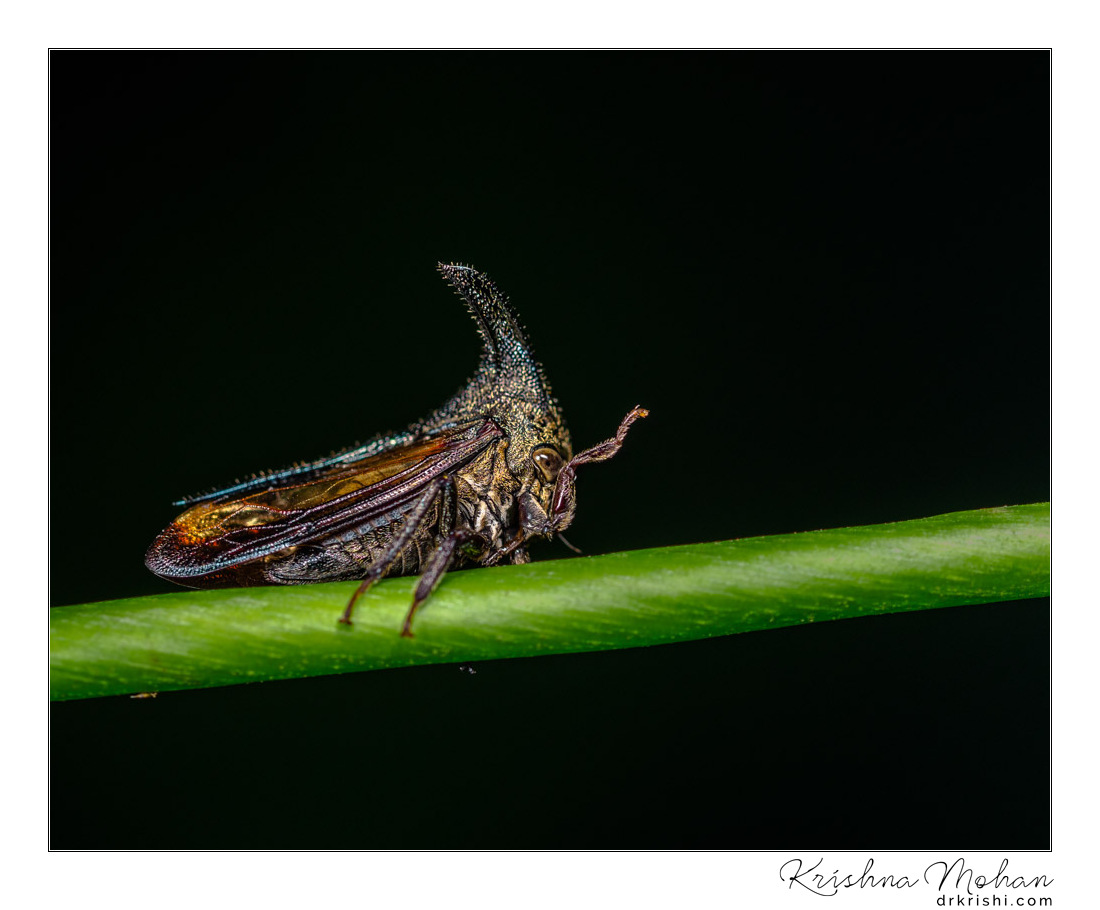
<point>534,879</point>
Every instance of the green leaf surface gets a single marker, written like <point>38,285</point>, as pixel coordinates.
<point>197,639</point>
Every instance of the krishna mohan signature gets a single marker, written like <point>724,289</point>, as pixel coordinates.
<point>958,875</point>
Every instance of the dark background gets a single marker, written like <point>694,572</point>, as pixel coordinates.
<point>825,274</point>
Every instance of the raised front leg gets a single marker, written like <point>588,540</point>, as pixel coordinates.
<point>564,503</point>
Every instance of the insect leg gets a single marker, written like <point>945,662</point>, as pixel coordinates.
<point>564,495</point>
<point>520,557</point>
<point>437,566</point>
<point>448,513</point>
<point>413,521</point>
<point>496,557</point>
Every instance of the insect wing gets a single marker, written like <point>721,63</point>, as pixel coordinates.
<point>222,534</point>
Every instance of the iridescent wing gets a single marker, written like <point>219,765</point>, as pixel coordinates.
<point>229,532</point>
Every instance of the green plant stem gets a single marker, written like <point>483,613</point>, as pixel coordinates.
<point>213,638</point>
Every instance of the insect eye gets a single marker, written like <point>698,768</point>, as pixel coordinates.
<point>548,461</point>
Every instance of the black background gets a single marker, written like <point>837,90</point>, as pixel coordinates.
<point>825,274</point>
